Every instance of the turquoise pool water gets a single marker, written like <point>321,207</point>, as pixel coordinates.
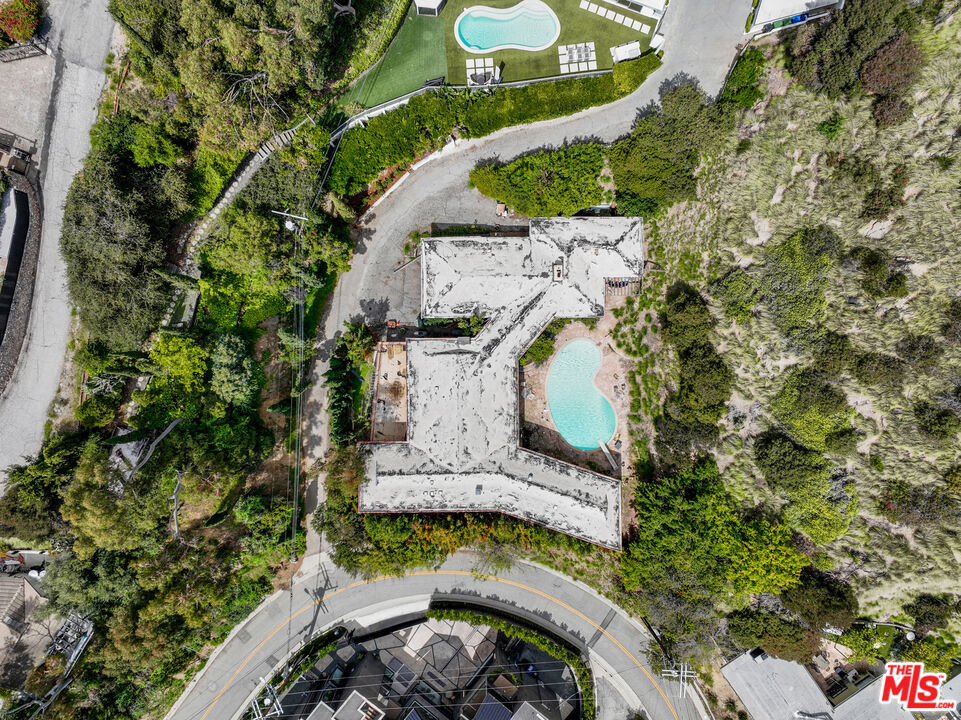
<point>529,25</point>
<point>582,415</point>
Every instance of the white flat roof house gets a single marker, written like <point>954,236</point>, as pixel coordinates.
<point>777,13</point>
<point>462,450</point>
<point>775,689</point>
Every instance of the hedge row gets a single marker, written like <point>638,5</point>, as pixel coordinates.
<point>394,139</point>
<point>585,680</point>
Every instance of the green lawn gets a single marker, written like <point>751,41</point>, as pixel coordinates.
<point>425,48</point>
<point>415,56</point>
<point>577,26</point>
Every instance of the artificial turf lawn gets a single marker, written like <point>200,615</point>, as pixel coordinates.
<point>577,26</point>
<point>415,56</point>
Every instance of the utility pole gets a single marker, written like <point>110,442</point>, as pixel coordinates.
<point>683,673</point>
<point>271,702</point>
<point>297,229</point>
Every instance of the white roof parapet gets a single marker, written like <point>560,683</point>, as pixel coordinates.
<point>462,450</point>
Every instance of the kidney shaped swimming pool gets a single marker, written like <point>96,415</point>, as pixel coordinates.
<point>582,415</point>
<point>529,25</point>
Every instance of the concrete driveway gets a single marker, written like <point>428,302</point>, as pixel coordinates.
<point>80,36</point>
<point>327,597</point>
<point>702,37</point>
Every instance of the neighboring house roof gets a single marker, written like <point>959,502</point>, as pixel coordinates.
<point>462,451</point>
<point>775,689</point>
<point>492,709</point>
<point>23,639</point>
<point>772,10</point>
<point>527,712</point>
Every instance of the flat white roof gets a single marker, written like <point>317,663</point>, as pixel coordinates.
<point>429,4</point>
<point>771,10</point>
<point>776,689</point>
<point>462,451</point>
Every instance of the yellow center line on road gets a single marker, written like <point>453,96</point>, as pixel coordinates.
<point>418,573</point>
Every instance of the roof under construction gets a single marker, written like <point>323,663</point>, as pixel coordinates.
<point>462,451</point>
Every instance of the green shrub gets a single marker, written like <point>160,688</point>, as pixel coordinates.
<point>811,408</point>
<point>737,292</point>
<point>543,347</point>
<point>395,139</point>
<point>952,479</point>
<point>939,422</point>
<point>152,146</point>
<point>630,205</point>
<point>894,68</point>
<point>779,637</point>
<point>96,411</point>
<point>832,354</point>
<point>657,161</point>
<point>803,476</point>
<point>695,541</point>
<point>951,328</point>
<point>822,600</point>
<point>883,198</point>
<point>41,679</point>
<point>866,642</point>
<point>932,612</point>
<point>878,279</point>
<point>691,413</point>
<point>877,369</point>
<point>830,57</point>
<point>794,281</point>
<point>631,74</point>
<point>917,506</point>
<point>944,162</point>
<point>831,127</point>
<point>936,654</point>
<point>743,86</point>
<point>919,351</point>
<point>559,182</point>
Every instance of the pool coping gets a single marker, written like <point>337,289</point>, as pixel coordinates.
<point>547,403</point>
<point>506,11</point>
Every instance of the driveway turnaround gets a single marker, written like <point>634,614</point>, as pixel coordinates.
<point>80,36</point>
<point>702,37</point>
<point>328,597</point>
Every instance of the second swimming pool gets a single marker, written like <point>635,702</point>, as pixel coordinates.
<point>582,415</point>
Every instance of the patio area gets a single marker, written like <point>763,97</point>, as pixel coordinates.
<point>425,48</point>
<point>584,31</point>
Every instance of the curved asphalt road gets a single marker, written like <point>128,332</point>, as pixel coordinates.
<point>80,36</point>
<point>327,597</point>
<point>701,41</point>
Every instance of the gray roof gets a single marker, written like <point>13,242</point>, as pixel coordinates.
<point>462,451</point>
<point>492,709</point>
<point>776,689</point>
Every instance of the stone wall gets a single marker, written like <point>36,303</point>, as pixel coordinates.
<point>23,295</point>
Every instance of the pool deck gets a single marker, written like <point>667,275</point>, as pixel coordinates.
<point>462,451</point>
<point>538,430</point>
<point>578,25</point>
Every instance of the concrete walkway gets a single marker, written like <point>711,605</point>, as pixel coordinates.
<point>702,39</point>
<point>80,36</point>
<point>327,597</point>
